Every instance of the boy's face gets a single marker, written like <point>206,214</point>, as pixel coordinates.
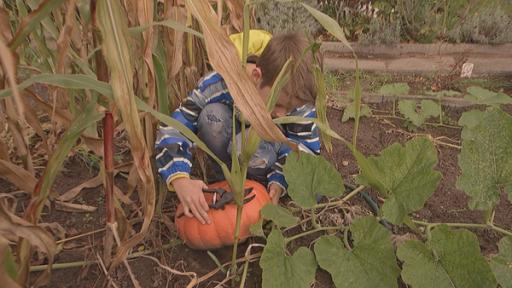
<point>280,109</point>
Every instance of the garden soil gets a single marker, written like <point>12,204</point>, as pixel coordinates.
<point>448,204</point>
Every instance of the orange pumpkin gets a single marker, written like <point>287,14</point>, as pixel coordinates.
<point>222,228</point>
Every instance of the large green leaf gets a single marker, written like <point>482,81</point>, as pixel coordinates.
<point>501,264</point>
<point>479,95</point>
<point>371,263</point>
<point>280,270</point>
<point>279,215</point>
<point>427,109</point>
<point>308,176</point>
<point>486,157</point>
<point>450,259</point>
<point>350,111</point>
<point>405,176</point>
<point>394,89</point>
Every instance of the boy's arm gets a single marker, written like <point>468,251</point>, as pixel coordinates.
<point>172,149</point>
<point>305,134</point>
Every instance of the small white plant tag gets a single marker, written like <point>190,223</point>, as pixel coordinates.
<point>467,70</point>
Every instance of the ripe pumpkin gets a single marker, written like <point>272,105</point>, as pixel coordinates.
<point>222,228</point>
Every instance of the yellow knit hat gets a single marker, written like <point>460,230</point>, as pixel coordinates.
<point>258,40</point>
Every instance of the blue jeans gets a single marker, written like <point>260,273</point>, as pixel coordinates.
<point>215,128</point>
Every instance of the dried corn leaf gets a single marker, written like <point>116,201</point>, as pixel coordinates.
<point>113,26</point>
<point>8,62</point>
<point>63,45</point>
<point>224,59</point>
<point>236,13</point>
<point>12,226</point>
<point>18,130</point>
<point>18,176</point>
<point>73,192</point>
<point>74,207</point>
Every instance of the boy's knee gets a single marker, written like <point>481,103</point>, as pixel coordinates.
<point>215,120</point>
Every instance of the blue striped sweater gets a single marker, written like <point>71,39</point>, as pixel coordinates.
<point>173,153</point>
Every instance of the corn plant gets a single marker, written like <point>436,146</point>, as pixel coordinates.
<point>125,72</point>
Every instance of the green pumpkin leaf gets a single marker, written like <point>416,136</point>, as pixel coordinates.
<point>279,270</point>
<point>279,215</point>
<point>350,112</point>
<point>394,89</point>
<point>479,95</point>
<point>308,176</point>
<point>486,157</point>
<point>256,229</point>
<point>450,259</point>
<point>404,175</point>
<point>501,264</point>
<point>371,263</point>
<point>427,109</point>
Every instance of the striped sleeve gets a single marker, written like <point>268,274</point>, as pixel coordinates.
<point>305,134</point>
<point>172,149</point>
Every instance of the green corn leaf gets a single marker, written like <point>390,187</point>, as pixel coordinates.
<point>169,23</point>
<point>479,95</point>
<point>321,106</point>
<point>279,215</point>
<point>427,109</point>
<point>329,24</point>
<point>451,258</point>
<point>370,264</point>
<point>161,85</point>
<point>67,81</point>
<point>33,20</point>
<point>394,89</point>
<point>404,175</point>
<point>501,264</point>
<point>486,157</point>
<point>280,270</point>
<point>308,176</point>
<point>350,112</point>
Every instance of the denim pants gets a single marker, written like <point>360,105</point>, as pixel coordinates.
<point>215,127</point>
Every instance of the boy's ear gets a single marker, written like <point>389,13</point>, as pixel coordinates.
<point>256,74</point>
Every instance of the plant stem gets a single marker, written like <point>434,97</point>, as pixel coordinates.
<point>466,225</point>
<point>309,232</point>
<point>233,269</point>
<point>343,200</point>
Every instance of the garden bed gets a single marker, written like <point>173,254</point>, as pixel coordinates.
<point>448,204</point>
<point>420,58</point>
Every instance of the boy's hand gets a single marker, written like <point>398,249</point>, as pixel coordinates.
<point>190,193</point>
<point>275,192</point>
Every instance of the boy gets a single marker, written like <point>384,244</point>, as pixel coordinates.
<point>208,111</point>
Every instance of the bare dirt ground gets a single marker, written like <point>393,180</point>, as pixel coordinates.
<point>448,204</point>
